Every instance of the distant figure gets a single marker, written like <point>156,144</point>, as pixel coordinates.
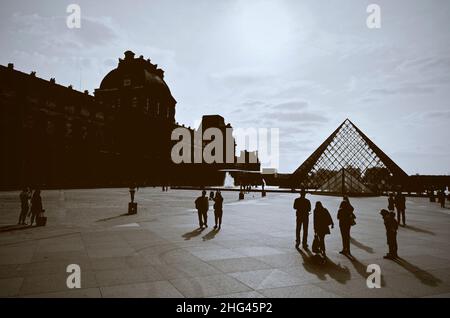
<point>202,206</point>
<point>391,202</point>
<point>24,205</point>
<point>132,192</point>
<point>218,209</point>
<point>211,195</point>
<point>36,205</point>
<point>442,198</point>
<point>346,220</point>
<point>302,207</point>
<point>432,197</point>
<point>391,233</point>
<point>400,204</point>
<point>322,221</point>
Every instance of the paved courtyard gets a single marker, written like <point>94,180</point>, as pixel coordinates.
<point>159,252</point>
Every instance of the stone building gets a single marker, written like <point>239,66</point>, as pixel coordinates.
<point>56,137</point>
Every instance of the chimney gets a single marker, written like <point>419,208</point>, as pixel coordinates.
<point>70,87</point>
<point>33,74</point>
<point>52,80</point>
<point>86,92</point>
<point>11,66</point>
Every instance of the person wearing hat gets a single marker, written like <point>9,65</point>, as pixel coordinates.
<point>391,233</point>
<point>302,206</point>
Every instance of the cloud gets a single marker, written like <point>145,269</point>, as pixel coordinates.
<point>403,90</point>
<point>298,117</point>
<point>291,105</point>
<point>241,77</point>
<point>445,114</point>
<point>52,32</point>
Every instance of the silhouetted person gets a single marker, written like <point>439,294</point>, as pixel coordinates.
<point>391,202</point>
<point>442,198</point>
<point>211,195</point>
<point>36,205</point>
<point>24,205</point>
<point>391,226</point>
<point>346,219</point>
<point>202,206</point>
<point>302,207</point>
<point>132,192</point>
<point>218,209</point>
<point>432,196</point>
<point>400,204</point>
<point>322,221</point>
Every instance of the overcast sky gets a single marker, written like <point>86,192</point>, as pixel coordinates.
<point>300,66</point>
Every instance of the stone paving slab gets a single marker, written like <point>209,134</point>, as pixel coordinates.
<point>160,252</point>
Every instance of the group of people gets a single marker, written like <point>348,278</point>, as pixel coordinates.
<point>31,205</point>
<point>202,206</point>
<point>347,218</point>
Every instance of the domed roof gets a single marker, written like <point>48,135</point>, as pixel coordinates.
<point>139,72</point>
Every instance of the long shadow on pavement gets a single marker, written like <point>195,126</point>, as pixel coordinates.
<point>422,275</point>
<point>210,235</point>
<point>187,236</point>
<point>360,245</point>
<point>362,269</point>
<point>339,273</point>
<point>416,229</point>
<point>16,227</point>
<point>112,218</point>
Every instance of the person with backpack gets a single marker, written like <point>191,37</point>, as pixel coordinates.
<point>391,226</point>
<point>202,206</point>
<point>322,222</point>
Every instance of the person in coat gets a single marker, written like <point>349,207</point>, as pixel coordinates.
<point>322,222</point>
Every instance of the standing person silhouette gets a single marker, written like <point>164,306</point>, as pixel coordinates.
<point>218,209</point>
<point>24,204</point>
<point>322,221</point>
<point>391,226</point>
<point>202,206</point>
<point>400,204</point>
<point>346,219</point>
<point>302,206</point>
<point>442,198</point>
<point>36,205</point>
<point>391,202</point>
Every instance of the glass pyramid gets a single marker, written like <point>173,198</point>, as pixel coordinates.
<point>348,162</point>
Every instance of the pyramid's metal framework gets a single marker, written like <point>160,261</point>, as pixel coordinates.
<point>348,162</point>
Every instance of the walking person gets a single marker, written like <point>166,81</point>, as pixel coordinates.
<point>36,205</point>
<point>400,204</point>
<point>302,206</point>
<point>24,205</point>
<point>391,226</point>
<point>346,220</point>
<point>218,209</point>
<point>322,221</point>
<point>202,206</point>
<point>391,202</point>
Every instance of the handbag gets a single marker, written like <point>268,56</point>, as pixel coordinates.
<point>353,222</point>
<point>316,244</point>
